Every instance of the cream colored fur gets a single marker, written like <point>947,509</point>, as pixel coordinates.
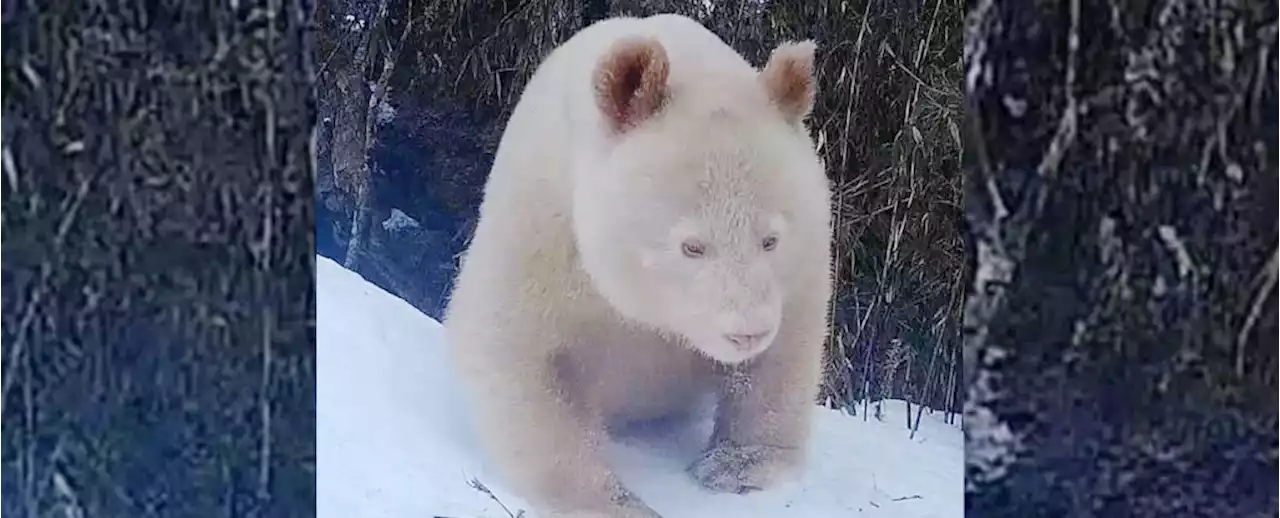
<point>652,195</point>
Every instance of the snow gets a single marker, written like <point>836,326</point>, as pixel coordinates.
<point>398,220</point>
<point>386,112</point>
<point>394,440</point>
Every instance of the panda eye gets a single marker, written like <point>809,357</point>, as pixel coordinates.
<point>769,243</point>
<point>693,249</point>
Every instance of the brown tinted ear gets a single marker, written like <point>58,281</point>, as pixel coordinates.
<point>631,82</point>
<point>788,79</point>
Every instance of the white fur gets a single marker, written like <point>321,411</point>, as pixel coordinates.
<point>576,307</point>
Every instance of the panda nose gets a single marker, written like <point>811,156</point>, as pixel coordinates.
<point>746,340</point>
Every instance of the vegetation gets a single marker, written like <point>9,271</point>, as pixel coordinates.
<point>158,311</point>
<point>1122,200</point>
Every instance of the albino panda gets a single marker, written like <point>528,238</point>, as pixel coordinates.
<point>655,228</point>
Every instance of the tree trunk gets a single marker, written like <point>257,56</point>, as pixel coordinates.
<point>358,141</point>
<point>1124,228</point>
<point>360,221</point>
<point>350,166</point>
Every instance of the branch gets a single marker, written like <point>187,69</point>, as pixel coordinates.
<point>1266,289</point>
<point>42,286</point>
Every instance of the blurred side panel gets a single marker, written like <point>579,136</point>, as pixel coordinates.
<point>1120,332</point>
<point>158,267</point>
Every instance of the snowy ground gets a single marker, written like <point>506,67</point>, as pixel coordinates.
<point>394,440</point>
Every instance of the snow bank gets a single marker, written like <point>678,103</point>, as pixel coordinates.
<point>394,438</point>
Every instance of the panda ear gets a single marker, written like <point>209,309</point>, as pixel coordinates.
<point>631,82</point>
<point>788,79</point>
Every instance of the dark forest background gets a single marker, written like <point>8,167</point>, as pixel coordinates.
<point>1120,333</point>
<point>158,310</point>
<point>414,94</point>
